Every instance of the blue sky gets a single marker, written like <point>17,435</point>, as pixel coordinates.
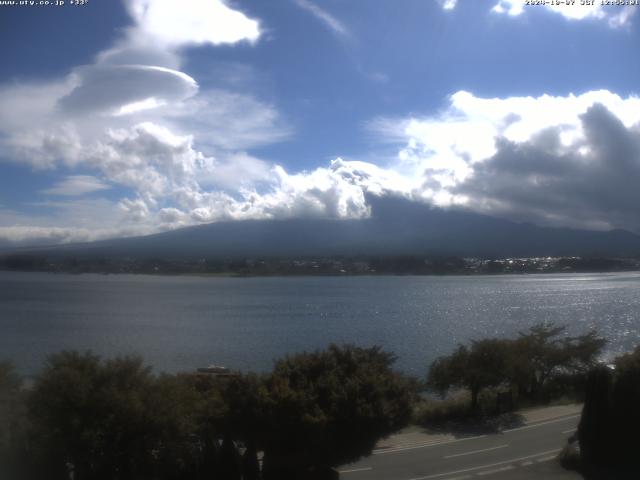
<point>132,117</point>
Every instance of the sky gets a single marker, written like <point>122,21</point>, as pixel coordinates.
<point>131,117</point>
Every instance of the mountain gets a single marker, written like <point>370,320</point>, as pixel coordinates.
<point>396,227</point>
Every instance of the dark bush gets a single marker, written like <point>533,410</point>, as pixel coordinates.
<point>610,421</point>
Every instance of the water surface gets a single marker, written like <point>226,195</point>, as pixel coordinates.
<point>179,323</point>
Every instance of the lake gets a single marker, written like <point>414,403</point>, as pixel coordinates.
<point>183,322</point>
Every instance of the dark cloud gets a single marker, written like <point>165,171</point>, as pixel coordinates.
<point>592,182</point>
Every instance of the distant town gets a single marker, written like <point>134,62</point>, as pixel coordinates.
<point>370,265</point>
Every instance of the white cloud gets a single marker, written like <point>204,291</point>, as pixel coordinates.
<point>224,119</point>
<point>336,191</point>
<point>33,235</point>
<point>448,4</point>
<point>141,123</point>
<point>121,89</point>
<point>64,221</point>
<point>66,121</point>
<point>190,22</point>
<point>554,160</point>
<point>50,235</point>
<point>75,185</point>
<point>335,25</point>
<point>135,210</point>
<point>238,170</point>
<point>615,16</point>
<point>162,28</point>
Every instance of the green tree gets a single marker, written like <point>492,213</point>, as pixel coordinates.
<point>12,417</point>
<point>625,412</point>
<point>111,419</point>
<point>483,364</point>
<point>330,407</point>
<point>232,410</point>
<point>178,408</point>
<point>10,385</point>
<point>610,421</point>
<point>243,408</point>
<point>629,362</point>
<point>595,423</point>
<point>543,351</point>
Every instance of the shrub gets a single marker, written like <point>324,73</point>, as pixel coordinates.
<point>330,407</point>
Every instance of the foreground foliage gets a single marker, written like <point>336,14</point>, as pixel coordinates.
<point>89,418</point>
<point>528,363</point>
<point>331,407</point>
<point>11,413</point>
<point>608,429</point>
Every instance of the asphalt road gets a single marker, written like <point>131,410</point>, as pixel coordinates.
<point>527,452</point>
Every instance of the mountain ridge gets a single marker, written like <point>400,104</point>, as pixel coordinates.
<point>396,227</point>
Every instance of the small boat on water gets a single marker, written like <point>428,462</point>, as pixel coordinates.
<point>215,371</point>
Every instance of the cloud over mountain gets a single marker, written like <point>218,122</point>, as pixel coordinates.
<point>551,160</point>
<point>141,145</point>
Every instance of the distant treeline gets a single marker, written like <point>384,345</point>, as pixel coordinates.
<point>339,265</point>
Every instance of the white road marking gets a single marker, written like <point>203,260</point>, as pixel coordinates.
<point>526,464</point>
<point>496,470</point>
<point>482,467</point>
<point>546,459</point>
<point>571,430</point>
<point>435,443</point>
<point>539,424</point>
<point>424,445</point>
<point>353,470</point>
<point>477,451</point>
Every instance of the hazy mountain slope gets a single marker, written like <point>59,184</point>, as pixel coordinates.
<point>396,227</point>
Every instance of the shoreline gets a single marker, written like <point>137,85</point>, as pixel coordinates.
<point>323,275</point>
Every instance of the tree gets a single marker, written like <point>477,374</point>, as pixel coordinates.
<point>542,351</point>
<point>330,407</point>
<point>11,415</point>
<point>610,421</point>
<point>242,408</point>
<point>109,420</point>
<point>177,407</point>
<point>595,422</point>
<point>482,365</point>
<point>584,351</point>
<point>625,412</point>
<point>10,384</point>
<point>527,361</point>
<point>232,410</point>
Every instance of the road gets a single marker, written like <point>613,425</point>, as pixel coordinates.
<point>525,452</point>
